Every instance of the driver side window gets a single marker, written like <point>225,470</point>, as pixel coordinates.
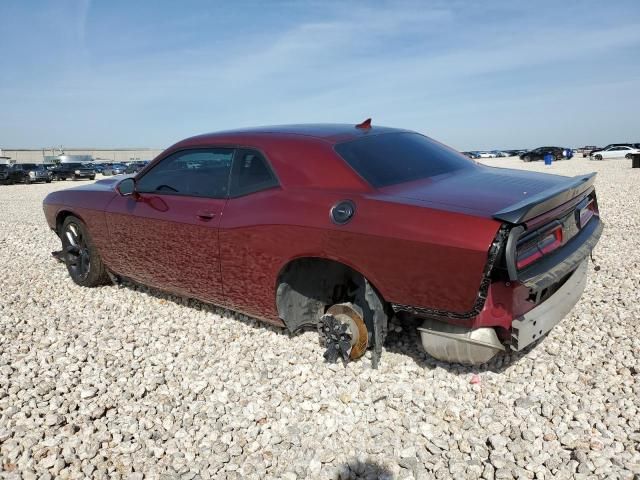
<point>195,173</point>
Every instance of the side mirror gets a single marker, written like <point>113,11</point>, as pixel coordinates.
<point>127,187</point>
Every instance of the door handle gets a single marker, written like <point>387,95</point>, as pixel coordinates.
<point>205,215</point>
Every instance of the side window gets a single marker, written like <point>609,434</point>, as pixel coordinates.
<point>196,173</point>
<point>251,173</point>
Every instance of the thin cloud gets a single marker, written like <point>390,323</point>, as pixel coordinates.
<point>430,66</point>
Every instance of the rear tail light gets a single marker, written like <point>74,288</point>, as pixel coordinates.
<point>586,212</point>
<point>536,245</point>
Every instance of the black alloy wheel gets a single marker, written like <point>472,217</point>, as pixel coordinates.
<point>83,262</point>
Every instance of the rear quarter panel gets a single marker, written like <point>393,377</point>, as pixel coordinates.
<point>412,254</point>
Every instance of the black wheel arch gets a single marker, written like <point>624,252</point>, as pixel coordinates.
<point>62,215</point>
<point>307,286</point>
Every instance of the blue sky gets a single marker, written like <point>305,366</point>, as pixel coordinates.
<point>471,74</point>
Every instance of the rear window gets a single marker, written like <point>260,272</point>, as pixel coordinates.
<point>393,158</point>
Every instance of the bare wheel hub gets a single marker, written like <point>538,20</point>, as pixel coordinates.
<point>344,333</point>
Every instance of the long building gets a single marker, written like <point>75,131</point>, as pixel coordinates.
<point>26,155</point>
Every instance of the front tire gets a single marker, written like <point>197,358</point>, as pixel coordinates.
<point>83,262</point>
<point>598,157</point>
<point>526,158</point>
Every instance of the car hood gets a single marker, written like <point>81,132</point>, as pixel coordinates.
<point>479,191</point>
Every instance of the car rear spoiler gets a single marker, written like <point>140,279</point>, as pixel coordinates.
<point>546,200</point>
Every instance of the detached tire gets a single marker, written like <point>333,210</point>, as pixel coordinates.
<point>83,262</point>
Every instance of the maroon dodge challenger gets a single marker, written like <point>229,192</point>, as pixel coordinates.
<point>339,228</point>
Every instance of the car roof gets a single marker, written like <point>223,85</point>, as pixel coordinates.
<point>288,147</point>
<point>328,132</point>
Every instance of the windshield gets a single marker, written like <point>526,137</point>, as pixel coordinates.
<point>393,158</point>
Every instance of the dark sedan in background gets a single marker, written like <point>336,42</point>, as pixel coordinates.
<point>74,171</point>
<point>135,167</point>
<point>540,152</point>
<point>98,167</point>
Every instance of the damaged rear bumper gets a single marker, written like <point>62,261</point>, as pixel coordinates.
<point>532,325</point>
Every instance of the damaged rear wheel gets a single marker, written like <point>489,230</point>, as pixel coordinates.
<point>315,290</point>
<point>343,332</point>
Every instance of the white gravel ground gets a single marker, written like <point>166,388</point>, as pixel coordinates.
<point>131,383</point>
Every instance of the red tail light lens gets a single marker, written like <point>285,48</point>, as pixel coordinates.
<point>551,241</point>
<point>535,248</point>
<point>528,256</point>
<point>586,212</point>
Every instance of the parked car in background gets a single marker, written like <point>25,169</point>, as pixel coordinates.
<point>487,155</point>
<point>4,173</point>
<point>539,154</point>
<point>97,167</point>
<point>114,169</point>
<point>507,153</point>
<point>629,144</point>
<point>27,173</point>
<point>135,167</point>
<point>337,227</point>
<point>586,150</point>
<point>615,151</point>
<point>74,171</point>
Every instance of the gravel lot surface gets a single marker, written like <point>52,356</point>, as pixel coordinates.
<point>130,383</point>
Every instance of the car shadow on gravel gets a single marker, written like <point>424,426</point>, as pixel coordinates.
<point>367,469</point>
<point>199,305</point>
<point>407,342</point>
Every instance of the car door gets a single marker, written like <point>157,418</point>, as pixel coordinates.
<point>611,152</point>
<point>250,233</point>
<point>537,154</point>
<point>166,233</point>
<point>623,151</point>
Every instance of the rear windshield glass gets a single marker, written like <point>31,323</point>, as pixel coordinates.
<point>393,158</point>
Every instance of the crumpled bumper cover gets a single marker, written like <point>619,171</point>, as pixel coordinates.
<point>529,327</point>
